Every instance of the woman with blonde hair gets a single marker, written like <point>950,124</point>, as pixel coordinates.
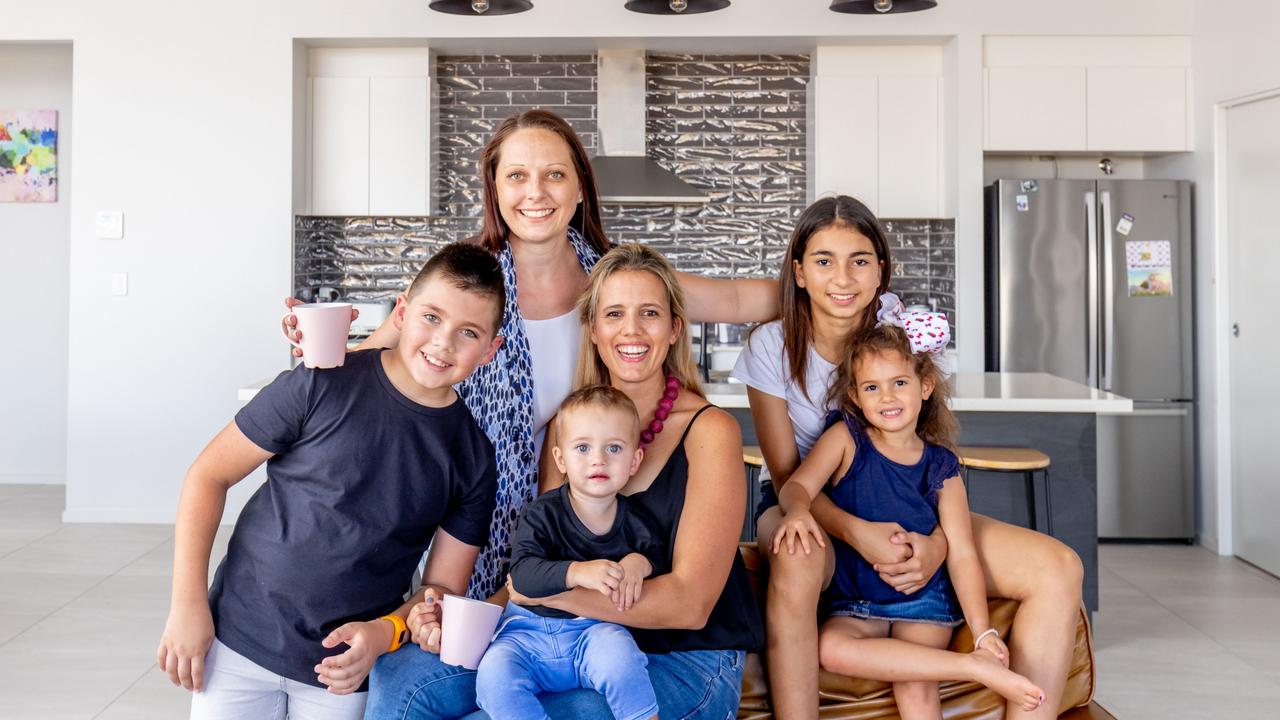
<point>695,623</point>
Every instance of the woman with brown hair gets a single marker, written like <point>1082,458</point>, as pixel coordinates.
<point>695,623</point>
<point>542,220</point>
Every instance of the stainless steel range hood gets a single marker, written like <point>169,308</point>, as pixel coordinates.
<point>623,173</point>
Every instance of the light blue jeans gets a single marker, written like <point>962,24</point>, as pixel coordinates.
<point>534,654</point>
<point>690,685</point>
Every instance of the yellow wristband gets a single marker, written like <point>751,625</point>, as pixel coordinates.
<point>397,639</point>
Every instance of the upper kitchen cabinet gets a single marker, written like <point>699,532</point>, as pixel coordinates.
<point>1104,94</point>
<point>877,128</point>
<point>369,131</point>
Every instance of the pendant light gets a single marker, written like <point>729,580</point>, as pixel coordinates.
<point>481,7</point>
<point>874,7</point>
<point>676,7</point>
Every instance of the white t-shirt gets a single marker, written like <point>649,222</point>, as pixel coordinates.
<point>764,366</point>
<point>553,347</point>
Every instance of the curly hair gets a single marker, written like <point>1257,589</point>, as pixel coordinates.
<point>936,423</point>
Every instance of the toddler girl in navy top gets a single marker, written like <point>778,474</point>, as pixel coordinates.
<point>885,456</point>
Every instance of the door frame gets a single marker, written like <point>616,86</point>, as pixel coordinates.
<point>1225,449</point>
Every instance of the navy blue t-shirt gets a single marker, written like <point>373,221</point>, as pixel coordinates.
<point>361,479</point>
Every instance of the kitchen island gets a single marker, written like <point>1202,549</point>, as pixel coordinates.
<point>1036,410</point>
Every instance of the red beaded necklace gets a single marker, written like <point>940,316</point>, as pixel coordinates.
<point>667,402</point>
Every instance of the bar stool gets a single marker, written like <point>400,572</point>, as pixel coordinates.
<point>1027,461</point>
<point>752,461</point>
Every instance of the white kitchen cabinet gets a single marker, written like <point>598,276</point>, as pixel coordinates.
<point>1048,94</point>
<point>339,146</point>
<point>1137,108</point>
<point>846,144</point>
<point>877,128</point>
<point>369,131</point>
<point>1036,108</point>
<point>909,142</point>
<point>399,142</point>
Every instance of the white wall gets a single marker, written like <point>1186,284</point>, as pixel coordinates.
<point>183,121</point>
<point>1234,55</point>
<point>33,256</point>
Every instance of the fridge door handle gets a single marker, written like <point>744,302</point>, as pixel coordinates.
<point>1108,293</point>
<point>1091,310</point>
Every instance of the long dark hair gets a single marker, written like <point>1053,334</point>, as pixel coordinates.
<point>494,232</point>
<point>797,325</point>
<point>936,423</point>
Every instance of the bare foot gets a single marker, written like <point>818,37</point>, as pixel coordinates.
<point>1015,688</point>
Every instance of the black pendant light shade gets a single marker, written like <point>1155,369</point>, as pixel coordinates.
<point>676,7</point>
<point>881,7</point>
<point>481,7</point>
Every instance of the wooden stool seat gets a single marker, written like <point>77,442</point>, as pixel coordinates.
<point>1009,459</point>
<point>751,455</point>
<point>1026,461</point>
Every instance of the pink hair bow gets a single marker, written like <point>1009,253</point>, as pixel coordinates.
<point>927,331</point>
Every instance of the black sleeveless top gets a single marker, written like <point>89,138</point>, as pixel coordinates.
<point>735,622</point>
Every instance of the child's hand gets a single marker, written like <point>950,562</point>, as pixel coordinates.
<point>600,575</point>
<point>798,525</point>
<point>636,568</point>
<point>994,645</point>
<point>188,635</point>
<point>424,622</point>
<point>365,641</point>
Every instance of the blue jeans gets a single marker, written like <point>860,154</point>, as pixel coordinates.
<point>690,685</point>
<point>533,654</point>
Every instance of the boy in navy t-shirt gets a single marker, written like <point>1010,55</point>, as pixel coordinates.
<point>367,465</point>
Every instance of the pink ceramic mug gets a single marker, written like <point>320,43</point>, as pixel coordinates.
<point>324,328</point>
<point>465,630</point>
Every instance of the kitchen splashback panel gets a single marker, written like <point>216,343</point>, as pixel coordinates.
<point>730,125</point>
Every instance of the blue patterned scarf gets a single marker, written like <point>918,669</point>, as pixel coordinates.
<point>500,397</point>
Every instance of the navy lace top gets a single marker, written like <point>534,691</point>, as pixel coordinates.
<point>878,489</point>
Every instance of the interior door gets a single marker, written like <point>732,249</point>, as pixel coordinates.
<point>1253,177</point>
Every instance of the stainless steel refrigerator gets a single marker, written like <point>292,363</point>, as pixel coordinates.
<point>1092,281</point>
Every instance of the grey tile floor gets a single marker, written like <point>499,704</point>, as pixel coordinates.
<point>1182,633</point>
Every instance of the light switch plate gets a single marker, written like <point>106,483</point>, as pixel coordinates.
<point>110,224</point>
<point>120,283</point>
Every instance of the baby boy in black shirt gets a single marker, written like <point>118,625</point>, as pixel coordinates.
<point>582,534</point>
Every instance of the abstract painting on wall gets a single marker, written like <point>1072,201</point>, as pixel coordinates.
<point>28,155</point>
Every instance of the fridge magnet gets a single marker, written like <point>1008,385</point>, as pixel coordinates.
<point>1021,201</point>
<point>1149,266</point>
<point>1125,225</point>
<point>1028,186</point>
<point>28,156</point>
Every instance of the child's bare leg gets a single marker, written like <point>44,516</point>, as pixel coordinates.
<point>844,647</point>
<point>1044,576</point>
<point>918,699</point>
<point>791,622</point>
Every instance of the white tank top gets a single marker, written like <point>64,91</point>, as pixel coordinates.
<point>553,346</point>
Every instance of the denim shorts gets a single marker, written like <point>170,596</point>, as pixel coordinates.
<point>934,605</point>
<point>768,497</point>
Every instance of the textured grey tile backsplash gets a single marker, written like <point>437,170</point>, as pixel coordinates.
<point>731,125</point>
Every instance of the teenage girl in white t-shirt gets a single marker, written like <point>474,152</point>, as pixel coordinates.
<point>836,266</point>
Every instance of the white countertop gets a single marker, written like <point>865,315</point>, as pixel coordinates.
<point>990,392</point>
<point>974,392</point>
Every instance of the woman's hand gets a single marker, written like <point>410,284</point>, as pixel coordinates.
<point>879,543</point>
<point>425,620</point>
<point>796,526</point>
<point>925,554</point>
<point>344,673</point>
<point>292,321</point>
<point>188,635</point>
